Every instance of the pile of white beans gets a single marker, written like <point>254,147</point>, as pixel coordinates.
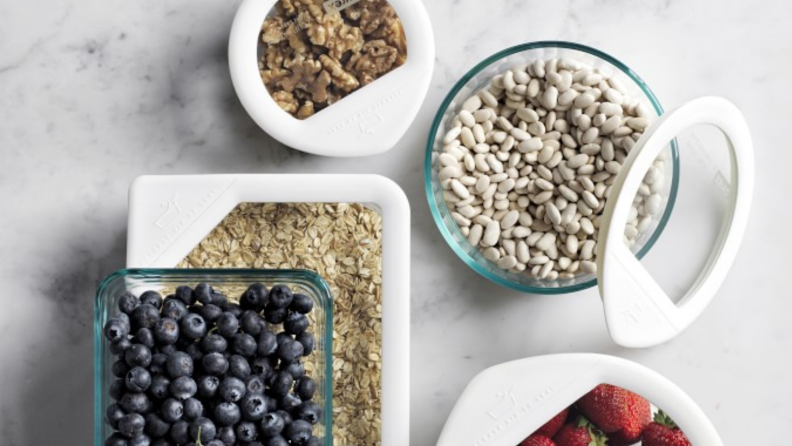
<point>529,161</point>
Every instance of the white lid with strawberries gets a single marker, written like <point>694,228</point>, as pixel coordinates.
<point>507,403</point>
<point>638,311</point>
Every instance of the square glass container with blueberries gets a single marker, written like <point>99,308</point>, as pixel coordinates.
<point>213,358</point>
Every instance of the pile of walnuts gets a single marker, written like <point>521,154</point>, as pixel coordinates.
<point>313,57</point>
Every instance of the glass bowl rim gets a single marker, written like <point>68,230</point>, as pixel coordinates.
<point>484,270</point>
<point>311,277</point>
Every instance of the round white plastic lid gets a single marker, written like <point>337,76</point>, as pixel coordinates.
<point>369,121</point>
<point>505,404</point>
<point>638,312</point>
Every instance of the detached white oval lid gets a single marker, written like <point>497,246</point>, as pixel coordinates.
<point>639,313</point>
<point>369,120</point>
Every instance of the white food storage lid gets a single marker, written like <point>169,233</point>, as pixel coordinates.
<point>638,311</point>
<point>369,121</point>
<point>505,404</point>
<point>170,215</point>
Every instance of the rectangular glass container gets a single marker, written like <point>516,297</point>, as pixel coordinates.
<point>231,282</point>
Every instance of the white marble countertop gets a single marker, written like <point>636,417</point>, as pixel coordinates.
<point>95,93</point>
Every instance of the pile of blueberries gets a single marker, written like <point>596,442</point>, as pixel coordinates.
<point>196,369</point>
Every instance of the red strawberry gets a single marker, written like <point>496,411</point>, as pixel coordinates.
<point>537,440</point>
<point>664,432</point>
<point>580,433</point>
<point>551,427</point>
<point>619,413</point>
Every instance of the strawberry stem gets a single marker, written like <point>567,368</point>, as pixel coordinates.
<point>663,419</point>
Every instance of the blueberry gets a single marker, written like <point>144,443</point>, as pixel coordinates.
<point>290,402</point>
<point>161,442</point>
<point>217,442</point>
<point>138,379</point>
<point>116,440</point>
<point>120,368</point>
<point>296,369</point>
<point>119,347</point>
<point>174,309</point>
<point>287,417</point>
<point>172,410</point>
<point>295,323</point>
<point>283,338</point>
<point>124,318</point>
<point>194,352</point>
<point>215,364</point>
<point>116,330</point>
<point>267,343</point>
<point>275,315</point>
<point>272,425</point>
<point>152,298</point>
<point>301,304</point>
<point>246,431</point>
<point>281,384</point>
<point>166,331</point>
<point>131,425</point>
<point>280,296</point>
<point>183,387</point>
<point>135,402</point>
<point>192,326</point>
<point>145,336</point>
<point>210,313</point>
<point>138,355</point>
<point>234,309</point>
<point>313,441</point>
<point>179,432</point>
<point>255,297</point>
<point>179,364</point>
<point>254,384</point>
<point>113,414</point>
<point>238,367</point>
<point>185,294</point>
<point>227,414</point>
<point>252,323</point>
<point>203,293</point>
<point>156,427</point>
<point>160,386</point>
<point>305,388</point>
<point>227,324</point>
<point>298,432</point>
<point>308,411</point>
<point>277,441</point>
<point>214,343</point>
<point>193,409</point>
<point>168,349</point>
<point>244,344</point>
<point>203,430</point>
<point>207,386</point>
<point>144,316</point>
<point>231,389</point>
<point>253,407</point>
<point>290,351</point>
<point>262,367</point>
<point>272,403</point>
<point>117,389</point>
<point>307,340</point>
<point>140,440</point>
<point>128,302</point>
<point>227,435</point>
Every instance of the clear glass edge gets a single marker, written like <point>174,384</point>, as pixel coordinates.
<point>310,276</point>
<point>433,205</point>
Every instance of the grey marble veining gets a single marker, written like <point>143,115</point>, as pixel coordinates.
<point>95,93</point>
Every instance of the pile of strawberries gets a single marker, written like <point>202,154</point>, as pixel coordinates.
<point>608,416</point>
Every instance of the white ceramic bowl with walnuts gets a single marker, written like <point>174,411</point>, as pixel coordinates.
<point>336,78</point>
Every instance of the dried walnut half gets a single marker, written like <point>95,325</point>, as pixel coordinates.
<point>311,58</point>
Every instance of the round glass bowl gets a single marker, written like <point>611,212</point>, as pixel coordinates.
<point>477,79</point>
